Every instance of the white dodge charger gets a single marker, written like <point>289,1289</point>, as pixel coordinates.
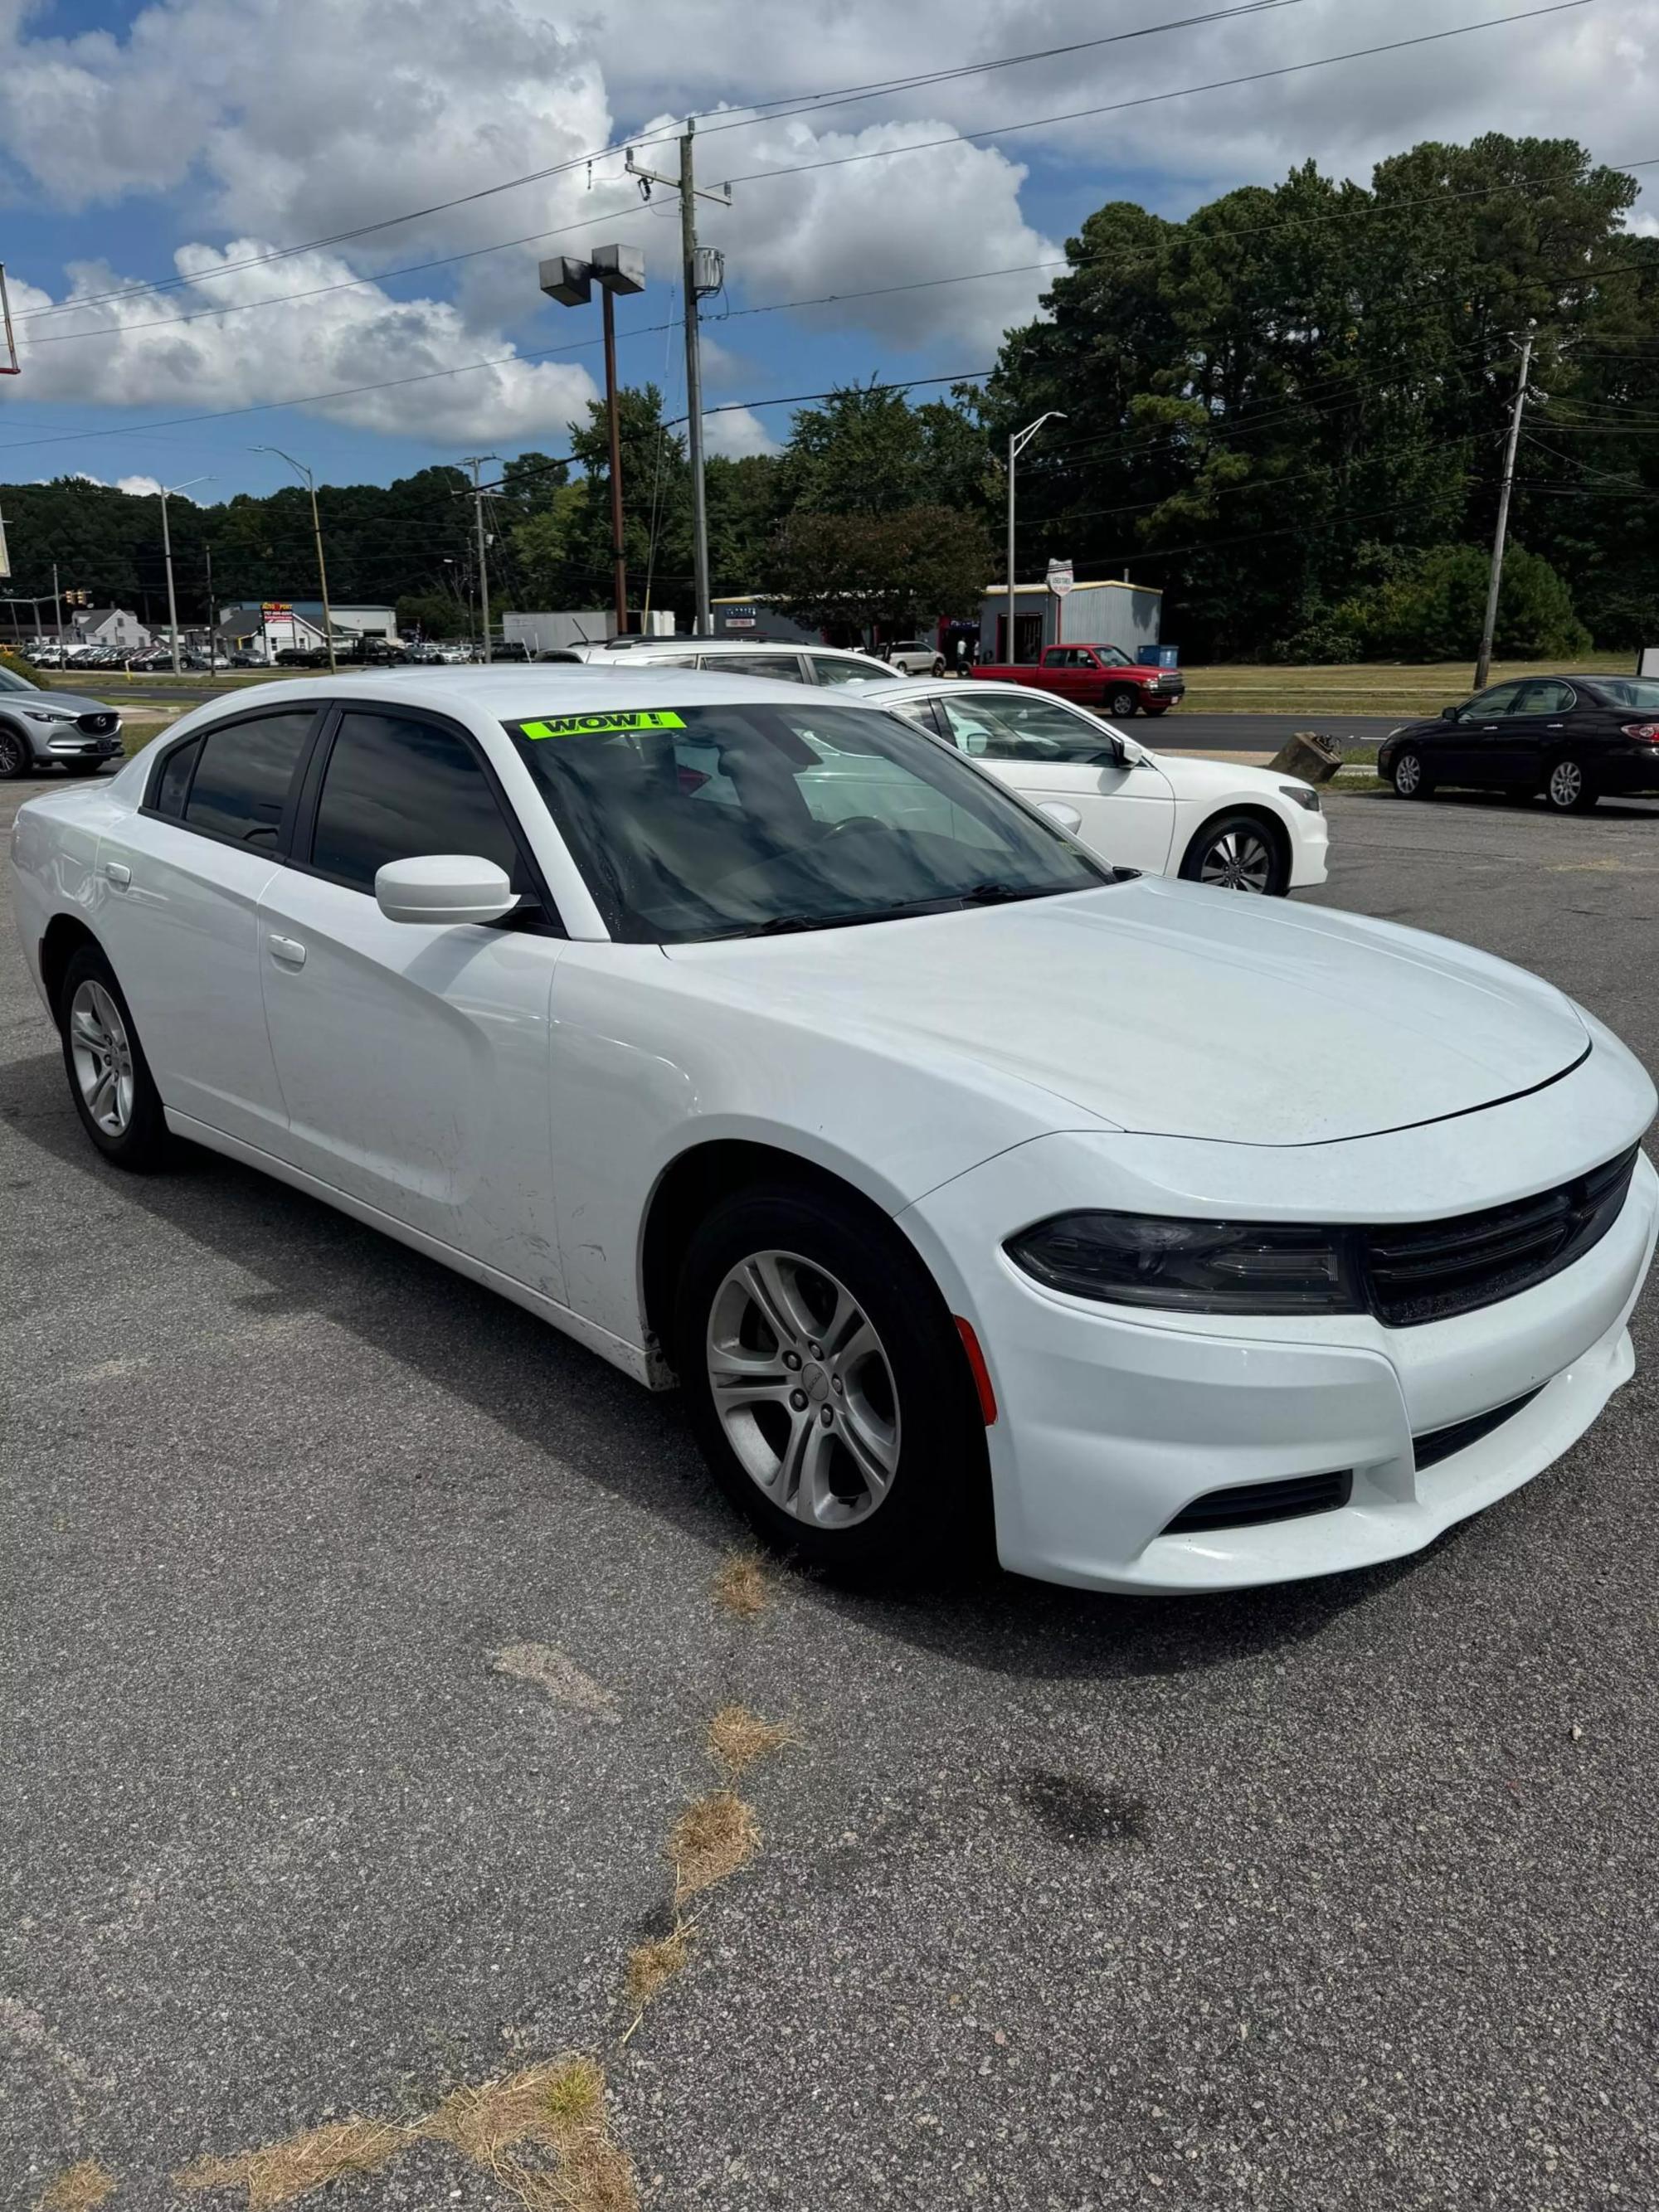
<point>764,1044</point>
<point>1216,822</point>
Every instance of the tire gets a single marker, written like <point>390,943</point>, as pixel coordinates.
<point>1410,774</point>
<point>1568,788</point>
<point>15,758</point>
<point>902,1484</point>
<point>1124,704</point>
<point>1238,853</point>
<point>100,1050</point>
<point>938,663</point>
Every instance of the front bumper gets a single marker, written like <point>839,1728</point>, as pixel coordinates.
<point>1113,1420</point>
<point>57,741</point>
<point>1310,841</point>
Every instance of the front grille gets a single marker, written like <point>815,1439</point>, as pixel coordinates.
<point>96,726</point>
<point>1430,1449</point>
<point>1247,1505</point>
<point>1429,1270</point>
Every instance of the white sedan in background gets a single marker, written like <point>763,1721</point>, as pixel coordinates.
<point>1215,822</point>
<point>763,1044</point>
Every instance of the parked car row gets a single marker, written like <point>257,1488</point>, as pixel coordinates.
<point>786,1047</point>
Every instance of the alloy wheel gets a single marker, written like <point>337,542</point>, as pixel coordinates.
<point>1238,861</point>
<point>1407,774</point>
<point>102,1052</point>
<point>11,754</point>
<point>803,1390</point>
<point>1566,783</point>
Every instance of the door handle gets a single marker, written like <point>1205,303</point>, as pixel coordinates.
<point>287,950</point>
<point>1558,726</point>
<point>118,873</point>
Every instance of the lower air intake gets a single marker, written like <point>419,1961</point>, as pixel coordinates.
<point>1248,1504</point>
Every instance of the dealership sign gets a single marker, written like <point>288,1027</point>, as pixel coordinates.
<point>1059,578</point>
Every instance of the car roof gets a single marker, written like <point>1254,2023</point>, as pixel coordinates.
<point>634,648</point>
<point>520,690</point>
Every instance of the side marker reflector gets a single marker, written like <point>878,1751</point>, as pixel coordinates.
<point>980,1372</point>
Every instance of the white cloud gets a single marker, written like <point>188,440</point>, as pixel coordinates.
<point>349,339</point>
<point>736,434</point>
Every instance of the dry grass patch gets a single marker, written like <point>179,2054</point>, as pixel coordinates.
<point>558,2107</point>
<point>737,1738</point>
<point>710,1840</point>
<point>276,2173</point>
<point>650,1966</point>
<point>78,2188</point>
<point>740,1586</point>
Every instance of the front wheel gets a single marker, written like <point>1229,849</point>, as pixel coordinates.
<point>1123,703</point>
<point>938,663</point>
<point>109,1078</point>
<point>1237,853</point>
<point>1569,790</point>
<point>827,1387</point>
<point>14,755</point>
<point>1410,774</point>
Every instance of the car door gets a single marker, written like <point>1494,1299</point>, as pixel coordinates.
<point>184,883</point>
<point>1535,725</point>
<point>1047,751</point>
<point>413,1057</point>
<point>1470,749</point>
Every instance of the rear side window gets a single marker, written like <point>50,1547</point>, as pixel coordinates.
<point>396,787</point>
<point>174,781</point>
<point>782,667</point>
<point>242,777</point>
<point>828,669</point>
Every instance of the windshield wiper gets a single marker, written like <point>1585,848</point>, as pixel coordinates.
<point>994,894</point>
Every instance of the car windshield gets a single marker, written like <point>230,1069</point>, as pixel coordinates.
<point>730,821</point>
<point>1642,694</point>
<point>1113,656</point>
<point>12,681</point>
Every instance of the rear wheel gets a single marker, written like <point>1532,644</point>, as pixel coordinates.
<point>826,1385</point>
<point>14,755</point>
<point>1237,853</point>
<point>1410,774</point>
<point>109,1078</point>
<point>1122,703</point>
<point>1569,789</point>
<point>938,663</point>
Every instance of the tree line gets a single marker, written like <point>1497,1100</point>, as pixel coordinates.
<point>1288,411</point>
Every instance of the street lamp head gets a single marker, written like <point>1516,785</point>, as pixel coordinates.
<point>619,268</point>
<point>567,280</point>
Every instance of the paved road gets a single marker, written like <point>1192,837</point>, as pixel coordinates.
<point>1241,734</point>
<point>1339,1896</point>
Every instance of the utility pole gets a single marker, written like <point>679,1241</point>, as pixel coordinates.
<point>1017,445</point>
<point>475,462</point>
<point>704,272</point>
<point>169,492</point>
<point>1483,666</point>
<point>58,610</point>
<point>213,618</point>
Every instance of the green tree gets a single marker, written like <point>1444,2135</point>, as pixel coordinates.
<point>879,573</point>
<point>1432,606</point>
<point>435,614</point>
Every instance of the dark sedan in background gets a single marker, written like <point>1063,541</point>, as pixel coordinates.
<point>1572,740</point>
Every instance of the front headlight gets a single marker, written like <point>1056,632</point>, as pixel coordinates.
<point>1303,793</point>
<point>47,715</point>
<point>1194,1266</point>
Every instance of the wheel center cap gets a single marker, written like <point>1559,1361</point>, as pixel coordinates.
<point>815,1383</point>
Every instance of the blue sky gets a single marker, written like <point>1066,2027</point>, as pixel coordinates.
<point>231,129</point>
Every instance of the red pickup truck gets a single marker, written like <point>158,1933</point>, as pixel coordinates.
<point>1101,676</point>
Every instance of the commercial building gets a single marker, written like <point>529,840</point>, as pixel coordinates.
<point>115,627</point>
<point>1126,614</point>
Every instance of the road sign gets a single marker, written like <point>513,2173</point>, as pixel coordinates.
<point>1059,578</point>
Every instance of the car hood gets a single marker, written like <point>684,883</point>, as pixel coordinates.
<point>1208,780</point>
<point>67,702</point>
<point>1169,1009</point>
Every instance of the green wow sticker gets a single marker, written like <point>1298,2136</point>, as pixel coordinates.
<point>590,726</point>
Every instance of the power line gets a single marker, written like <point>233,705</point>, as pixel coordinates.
<point>812,102</point>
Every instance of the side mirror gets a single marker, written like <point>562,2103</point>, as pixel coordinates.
<point>443,888</point>
<point>1067,817</point>
<point>1450,714</point>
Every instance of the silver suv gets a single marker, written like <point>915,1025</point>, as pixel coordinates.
<point>790,664</point>
<point>37,727</point>
<point>914,656</point>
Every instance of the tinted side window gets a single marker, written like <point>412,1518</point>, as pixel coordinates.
<point>242,778</point>
<point>828,670</point>
<point>396,787</point>
<point>1498,700</point>
<point>781,667</point>
<point>174,781</point>
<point>1545,696</point>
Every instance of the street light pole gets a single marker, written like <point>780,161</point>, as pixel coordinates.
<point>1017,445</point>
<point>301,470</point>
<point>570,281</point>
<point>58,610</point>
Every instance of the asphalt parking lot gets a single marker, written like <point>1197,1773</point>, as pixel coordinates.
<point>362,1639</point>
